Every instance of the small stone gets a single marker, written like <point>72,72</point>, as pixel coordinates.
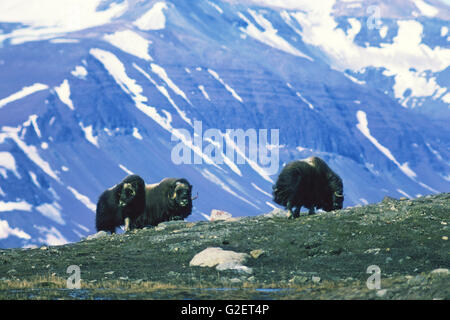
<point>44,248</point>
<point>160,227</point>
<point>381,293</point>
<point>11,271</point>
<point>109,272</point>
<point>217,215</point>
<point>389,260</point>
<point>374,251</point>
<point>444,238</point>
<point>278,213</point>
<point>298,279</point>
<point>97,235</point>
<point>417,280</point>
<point>440,271</point>
<point>256,253</point>
<point>212,256</point>
<point>315,279</point>
<point>123,278</point>
<point>235,280</point>
<point>233,266</point>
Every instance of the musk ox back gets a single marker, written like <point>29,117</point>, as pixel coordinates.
<point>121,204</point>
<point>308,183</point>
<point>170,199</point>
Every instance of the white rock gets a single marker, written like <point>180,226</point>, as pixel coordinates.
<point>381,293</point>
<point>212,256</point>
<point>219,215</point>
<point>97,235</point>
<point>278,213</point>
<point>440,271</point>
<point>234,266</point>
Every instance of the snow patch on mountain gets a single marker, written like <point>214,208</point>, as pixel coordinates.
<point>83,199</point>
<point>45,19</point>
<point>89,134</point>
<point>130,42</point>
<point>215,6</point>
<point>12,206</point>
<point>153,19</point>
<point>8,162</point>
<point>31,151</point>
<point>164,91</point>
<point>51,236</point>
<point>213,178</point>
<point>261,190</point>
<point>407,58</point>
<point>63,92</point>
<point>136,134</point>
<point>363,127</point>
<point>269,36</point>
<point>51,211</point>
<point>163,75</point>
<point>25,91</point>
<point>80,72</point>
<point>203,91</point>
<point>6,231</point>
<point>227,87</point>
<point>426,9</point>
<point>125,169</point>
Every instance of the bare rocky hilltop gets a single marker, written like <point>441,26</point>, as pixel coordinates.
<point>324,256</point>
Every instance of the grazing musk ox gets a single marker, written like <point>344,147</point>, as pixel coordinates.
<point>121,204</point>
<point>170,199</point>
<point>308,183</point>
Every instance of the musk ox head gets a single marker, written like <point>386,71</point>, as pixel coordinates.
<point>131,187</point>
<point>338,193</point>
<point>338,200</point>
<point>180,198</point>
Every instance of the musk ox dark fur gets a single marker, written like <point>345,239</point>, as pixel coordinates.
<point>170,199</point>
<point>121,204</point>
<point>308,183</point>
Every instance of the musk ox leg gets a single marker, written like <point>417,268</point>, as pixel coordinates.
<point>127,224</point>
<point>311,211</point>
<point>297,211</point>
<point>289,208</point>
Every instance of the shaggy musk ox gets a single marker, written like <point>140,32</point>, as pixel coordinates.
<point>121,204</point>
<point>308,183</point>
<point>170,199</point>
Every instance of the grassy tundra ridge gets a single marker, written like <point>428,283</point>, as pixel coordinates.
<point>323,256</point>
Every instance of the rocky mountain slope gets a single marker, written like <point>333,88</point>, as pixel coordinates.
<point>324,256</point>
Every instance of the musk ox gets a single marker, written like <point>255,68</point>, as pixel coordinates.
<point>170,199</point>
<point>308,183</point>
<point>121,204</point>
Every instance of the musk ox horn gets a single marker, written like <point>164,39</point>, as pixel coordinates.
<point>338,195</point>
<point>196,196</point>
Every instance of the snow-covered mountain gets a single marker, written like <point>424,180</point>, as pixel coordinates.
<point>93,90</point>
